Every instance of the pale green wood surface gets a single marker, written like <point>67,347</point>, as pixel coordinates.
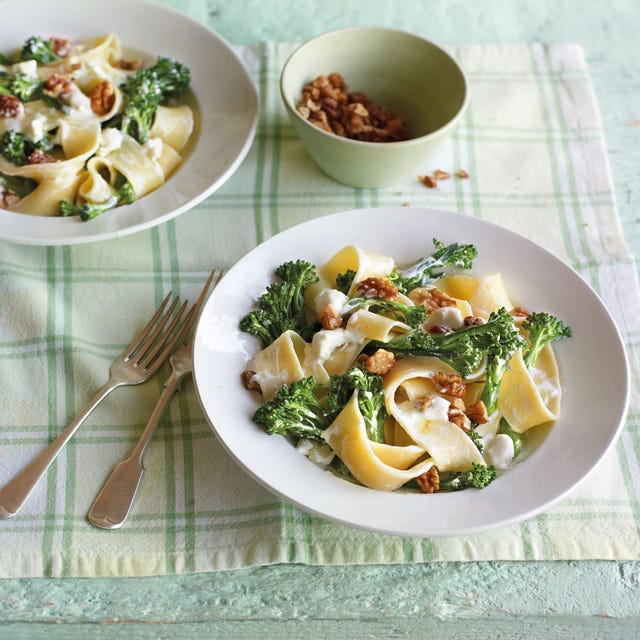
<point>561,600</point>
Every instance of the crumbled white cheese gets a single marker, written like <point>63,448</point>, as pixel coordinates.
<point>335,298</point>
<point>28,68</point>
<point>499,450</point>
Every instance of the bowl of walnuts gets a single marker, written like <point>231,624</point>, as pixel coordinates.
<point>370,103</point>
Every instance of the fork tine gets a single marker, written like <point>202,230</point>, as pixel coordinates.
<point>153,344</point>
<point>137,340</point>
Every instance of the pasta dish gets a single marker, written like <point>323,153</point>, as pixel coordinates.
<point>424,377</point>
<point>84,129</point>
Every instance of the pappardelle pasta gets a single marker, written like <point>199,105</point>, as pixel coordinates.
<point>84,129</point>
<point>426,377</point>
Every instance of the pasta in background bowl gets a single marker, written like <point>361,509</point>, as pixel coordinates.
<point>555,461</point>
<point>217,115</point>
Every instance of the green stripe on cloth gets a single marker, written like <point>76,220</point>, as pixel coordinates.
<point>537,164</point>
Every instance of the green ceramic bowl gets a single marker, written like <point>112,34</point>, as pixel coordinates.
<point>413,77</point>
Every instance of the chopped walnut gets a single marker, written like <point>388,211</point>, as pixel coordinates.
<point>380,362</point>
<point>8,199</point>
<point>327,103</point>
<point>10,106</point>
<point>431,298</point>
<point>462,173</point>
<point>423,402</point>
<point>519,312</point>
<point>129,65</point>
<point>450,384</point>
<point>428,181</point>
<point>473,321</point>
<point>61,46</point>
<point>57,84</point>
<point>429,481</point>
<point>477,412</point>
<point>457,415</point>
<point>249,380</point>
<point>102,97</point>
<point>329,318</point>
<point>440,328</point>
<point>375,287</point>
<point>438,174</point>
<point>38,156</point>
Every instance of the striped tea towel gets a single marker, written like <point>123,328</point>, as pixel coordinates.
<point>532,143</point>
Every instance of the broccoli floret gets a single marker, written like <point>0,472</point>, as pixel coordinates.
<point>88,210</point>
<point>543,328</point>
<point>17,148</point>
<point>21,85</point>
<point>38,49</point>
<point>144,91</point>
<point>282,306</point>
<point>433,267</point>
<point>295,411</point>
<point>499,352</point>
<point>370,398</point>
<point>413,315</point>
<point>345,280</point>
<point>464,350</point>
<point>478,477</point>
<point>476,439</point>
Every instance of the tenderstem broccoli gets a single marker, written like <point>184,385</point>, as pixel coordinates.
<point>282,306</point>
<point>144,91</point>
<point>17,148</point>
<point>370,398</point>
<point>435,266</point>
<point>345,280</point>
<point>413,315</point>
<point>38,49</point>
<point>295,411</point>
<point>89,210</point>
<point>499,353</point>
<point>464,350</point>
<point>478,477</point>
<point>542,328</point>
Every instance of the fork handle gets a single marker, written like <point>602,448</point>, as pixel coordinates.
<point>113,504</point>
<point>15,493</point>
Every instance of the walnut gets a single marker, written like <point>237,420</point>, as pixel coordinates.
<point>57,84</point>
<point>375,287</point>
<point>440,328</point>
<point>329,318</point>
<point>457,415</point>
<point>450,384</point>
<point>472,321</point>
<point>429,481</point>
<point>249,380</point>
<point>462,173</point>
<point>38,156</point>
<point>477,412</point>
<point>428,181</point>
<point>423,402</point>
<point>102,98</point>
<point>438,174</point>
<point>519,313</point>
<point>431,298</point>
<point>380,362</point>
<point>10,106</point>
<point>327,103</point>
<point>8,199</point>
<point>60,46</point>
<point>129,65</point>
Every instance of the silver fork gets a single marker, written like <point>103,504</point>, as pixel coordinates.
<point>113,504</point>
<point>136,364</point>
